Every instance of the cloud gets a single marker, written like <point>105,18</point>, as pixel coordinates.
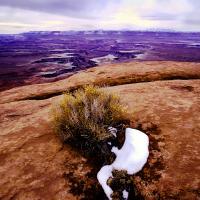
<point>30,15</point>
<point>181,15</point>
<point>73,8</point>
<point>181,11</point>
<point>159,17</point>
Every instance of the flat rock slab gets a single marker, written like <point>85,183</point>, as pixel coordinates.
<point>168,111</point>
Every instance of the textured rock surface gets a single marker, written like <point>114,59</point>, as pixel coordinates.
<point>168,111</point>
<point>114,74</point>
<point>35,165</point>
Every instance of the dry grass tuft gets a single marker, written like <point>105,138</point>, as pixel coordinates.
<point>83,118</point>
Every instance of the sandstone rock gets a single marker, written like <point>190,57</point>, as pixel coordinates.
<point>35,165</point>
<point>168,111</point>
<point>114,74</point>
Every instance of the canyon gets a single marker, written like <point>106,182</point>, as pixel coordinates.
<point>39,57</point>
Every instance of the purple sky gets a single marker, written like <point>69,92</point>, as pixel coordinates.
<point>34,15</point>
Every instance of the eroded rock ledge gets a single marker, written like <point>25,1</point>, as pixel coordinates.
<point>35,165</point>
<point>109,75</point>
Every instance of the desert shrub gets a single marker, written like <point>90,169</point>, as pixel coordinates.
<point>82,119</point>
<point>119,182</point>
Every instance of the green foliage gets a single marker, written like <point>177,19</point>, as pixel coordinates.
<point>82,119</point>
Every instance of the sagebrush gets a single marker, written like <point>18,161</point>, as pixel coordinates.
<point>83,118</point>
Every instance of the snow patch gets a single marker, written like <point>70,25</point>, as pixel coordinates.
<point>125,194</point>
<point>112,130</point>
<point>104,59</point>
<point>131,157</point>
<point>128,51</point>
<point>102,176</point>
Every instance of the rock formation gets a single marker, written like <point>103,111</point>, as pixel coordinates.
<point>163,100</point>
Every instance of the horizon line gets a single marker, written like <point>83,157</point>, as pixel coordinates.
<point>105,30</point>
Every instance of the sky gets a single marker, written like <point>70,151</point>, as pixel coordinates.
<point>18,16</point>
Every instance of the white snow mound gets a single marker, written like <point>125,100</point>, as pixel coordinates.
<point>131,157</point>
<point>125,194</point>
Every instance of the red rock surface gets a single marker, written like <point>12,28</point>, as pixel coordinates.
<point>35,165</point>
<point>114,74</point>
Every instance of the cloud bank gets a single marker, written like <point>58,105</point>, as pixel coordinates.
<point>73,8</point>
<point>33,15</point>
